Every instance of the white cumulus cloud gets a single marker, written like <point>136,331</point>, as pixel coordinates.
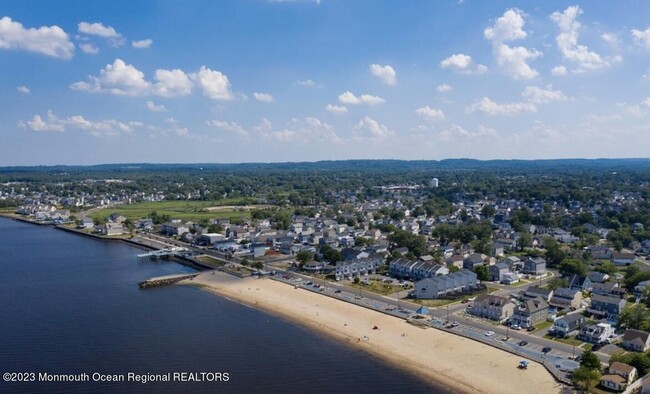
<point>264,97</point>
<point>385,73</point>
<point>430,113</point>
<point>153,107</point>
<point>455,132</point>
<point>559,70</point>
<point>51,41</point>
<point>349,98</point>
<point>512,60</point>
<point>463,64</point>
<point>336,109</point>
<point>442,88</point>
<point>489,107</point>
<point>107,127</point>
<point>214,84</point>
<point>141,44</point>
<point>373,127</point>
<point>118,78</point>
<point>232,127</point>
<point>23,89</point>
<point>641,37</point>
<point>89,48</point>
<point>172,83</point>
<point>98,29</point>
<point>537,95</point>
<point>567,42</point>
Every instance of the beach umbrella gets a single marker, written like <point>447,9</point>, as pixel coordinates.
<point>422,311</point>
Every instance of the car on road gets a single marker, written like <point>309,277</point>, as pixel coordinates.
<point>454,324</point>
<point>523,343</point>
<point>489,333</point>
<point>465,301</point>
<point>308,283</point>
<point>337,291</point>
<point>546,349</point>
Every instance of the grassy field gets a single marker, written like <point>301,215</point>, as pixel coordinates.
<point>212,262</point>
<point>432,303</point>
<point>185,210</point>
<point>378,287</point>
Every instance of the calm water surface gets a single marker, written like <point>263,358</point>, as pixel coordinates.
<point>70,304</point>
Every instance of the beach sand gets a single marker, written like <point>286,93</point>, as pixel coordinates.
<point>458,363</point>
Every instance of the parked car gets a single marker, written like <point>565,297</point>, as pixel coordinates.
<point>523,343</point>
<point>546,349</point>
<point>515,327</point>
<point>337,291</point>
<point>530,329</point>
<point>489,333</point>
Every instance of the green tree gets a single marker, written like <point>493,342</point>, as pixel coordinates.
<point>481,272</point>
<point>585,379</point>
<point>556,283</point>
<point>488,211</point>
<point>258,265</point>
<point>554,255</point>
<point>304,257</point>
<point>607,267</point>
<point>590,360</point>
<point>525,241</point>
<point>574,266</point>
<point>635,316</point>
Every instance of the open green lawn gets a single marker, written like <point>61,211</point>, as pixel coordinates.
<point>378,287</point>
<point>208,260</point>
<point>185,210</point>
<point>568,341</point>
<point>432,303</point>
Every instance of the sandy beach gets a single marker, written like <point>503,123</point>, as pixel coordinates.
<point>461,364</point>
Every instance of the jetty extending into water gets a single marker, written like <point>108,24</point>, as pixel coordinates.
<point>165,253</point>
<point>165,280</point>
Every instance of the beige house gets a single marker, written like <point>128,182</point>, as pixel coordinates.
<point>492,307</point>
<point>619,376</point>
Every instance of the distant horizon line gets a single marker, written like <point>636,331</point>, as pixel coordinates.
<point>325,161</point>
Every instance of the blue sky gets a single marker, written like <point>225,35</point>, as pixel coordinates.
<point>87,82</point>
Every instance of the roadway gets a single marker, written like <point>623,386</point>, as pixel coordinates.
<point>392,305</point>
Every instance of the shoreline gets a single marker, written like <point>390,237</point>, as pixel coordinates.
<point>454,363</point>
<point>196,265</point>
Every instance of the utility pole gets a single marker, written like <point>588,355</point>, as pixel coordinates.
<point>447,312</point>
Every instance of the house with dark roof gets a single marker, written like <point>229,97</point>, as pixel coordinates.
<point>579,282</point>
<point>622,258</point>
<point>492,307</point>
<point>605,289</point>
<point>636,340</point>
<point>567,325</point>
<point>597,277</point>
<point>474,260</point>
<point>535,291</point>
<point>440,286</point>
<point>534,266</point>
<point>606,307</point>
<point>530,312</point>
<point>498,271</point>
